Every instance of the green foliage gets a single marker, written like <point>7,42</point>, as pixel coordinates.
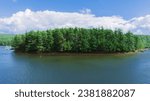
<point>32,42</point>
<point>18,42</point>
<point>58,40</point>
<point>48,41</point>
<point>5,39</point>
<point>80,40</point>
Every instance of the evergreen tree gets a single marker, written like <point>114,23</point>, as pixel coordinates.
<point>58,40</point>
<point>49,41</point>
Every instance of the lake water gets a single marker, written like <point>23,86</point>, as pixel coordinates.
<point>17,68</point>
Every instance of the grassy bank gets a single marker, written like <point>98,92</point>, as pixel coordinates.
<point>6,39</point>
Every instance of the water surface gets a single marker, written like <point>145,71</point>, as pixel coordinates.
<point>17,68</point>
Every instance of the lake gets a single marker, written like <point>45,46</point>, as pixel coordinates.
<point>19,68</point>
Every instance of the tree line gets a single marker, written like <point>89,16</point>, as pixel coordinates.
<point>80,40</point>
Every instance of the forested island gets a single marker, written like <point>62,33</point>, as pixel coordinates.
<point>80,40</point>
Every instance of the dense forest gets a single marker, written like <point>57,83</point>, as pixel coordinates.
<point>80,40</point>
<point>6,39</point>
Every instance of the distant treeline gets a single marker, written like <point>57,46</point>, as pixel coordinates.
<point>6,39</point>
<point>80,40</point>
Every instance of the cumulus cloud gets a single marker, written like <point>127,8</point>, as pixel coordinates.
<point>28,20</point>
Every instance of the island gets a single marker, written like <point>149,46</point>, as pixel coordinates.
<point>80,40</point>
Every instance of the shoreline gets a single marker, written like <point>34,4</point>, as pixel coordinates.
<point>81,53</point>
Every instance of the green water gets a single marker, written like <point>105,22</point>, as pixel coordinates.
<point>17,68</point>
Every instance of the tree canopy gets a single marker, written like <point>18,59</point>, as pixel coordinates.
<point>80,40</point>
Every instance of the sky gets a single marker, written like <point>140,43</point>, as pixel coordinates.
<point>20,16</point>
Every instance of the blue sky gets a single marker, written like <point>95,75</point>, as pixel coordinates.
<point>19,16</point>
<point>125,8</point>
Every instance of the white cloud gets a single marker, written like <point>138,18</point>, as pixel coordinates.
<point>27,20</point>
<point>86,11</point>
